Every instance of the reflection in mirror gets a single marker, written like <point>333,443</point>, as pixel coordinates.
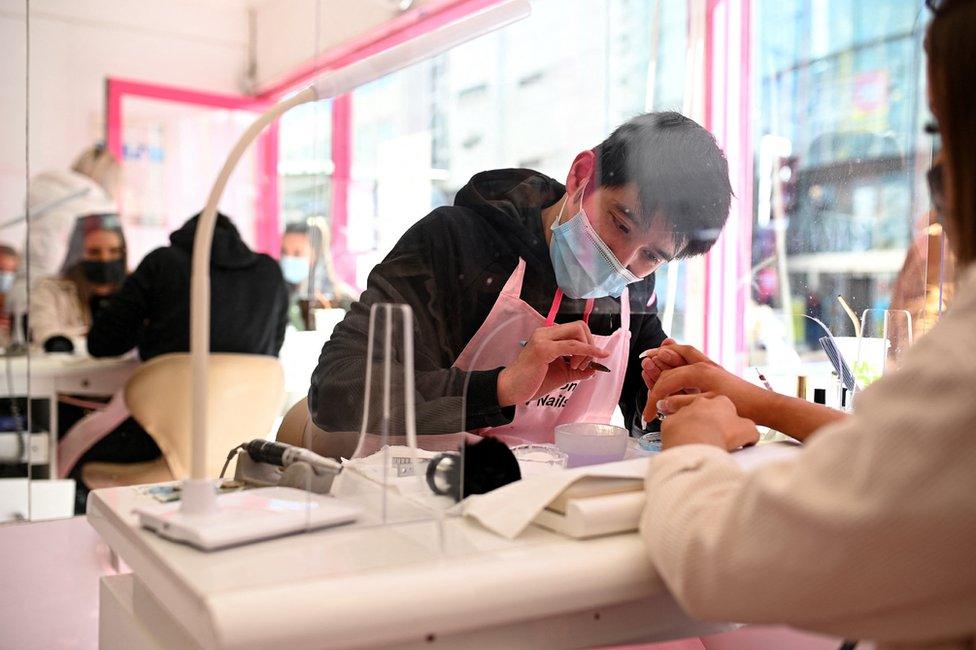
<point>113,175</point>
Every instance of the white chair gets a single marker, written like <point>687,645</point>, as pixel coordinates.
<point>246,392</point>
<point>298,429</point>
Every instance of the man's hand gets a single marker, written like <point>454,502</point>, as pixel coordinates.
<point>322,301</point>
<point>693,372</point>
<point>540,366</point>
<point>705,419</point>
<point>668,357</point>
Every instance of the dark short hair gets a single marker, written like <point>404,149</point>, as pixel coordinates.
<point>8,251</point>
<point>680,173</point>
<point>951,49</point>
<point>297,228</point>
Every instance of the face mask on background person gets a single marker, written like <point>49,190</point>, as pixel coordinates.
<point>6,281</point>
<point>585,266</point>
<point>103,272</point>
<point>294,268</point>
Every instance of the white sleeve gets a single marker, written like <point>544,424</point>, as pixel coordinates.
<point>869,533</point>
<point>47,317</point>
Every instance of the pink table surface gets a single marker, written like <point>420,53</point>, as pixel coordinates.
<point>49,573</point>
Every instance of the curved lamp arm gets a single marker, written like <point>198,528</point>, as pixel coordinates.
<point>329,85</point>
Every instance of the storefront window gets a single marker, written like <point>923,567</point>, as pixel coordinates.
<point>305,162</point>
<point>532,95</point>
<point>840,160</point>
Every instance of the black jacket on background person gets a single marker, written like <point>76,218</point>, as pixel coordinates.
<point>450,267</point>
<point>248,300</point>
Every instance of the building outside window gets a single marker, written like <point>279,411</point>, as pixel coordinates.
<point>838,109</point>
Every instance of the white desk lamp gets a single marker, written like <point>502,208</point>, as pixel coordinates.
<point>198,497</point>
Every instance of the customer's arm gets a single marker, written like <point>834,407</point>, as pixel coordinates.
<point>116,329</point>
<point>673,368</point>
<point>868,533</point>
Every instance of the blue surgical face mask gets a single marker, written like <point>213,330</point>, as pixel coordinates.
<point>295,269</point>
<point>585,266</point>
<point>6,281</point>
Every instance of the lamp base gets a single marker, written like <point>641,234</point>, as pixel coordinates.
<point>198,496</point>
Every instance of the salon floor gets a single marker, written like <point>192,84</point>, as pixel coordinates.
<point>49,575</point>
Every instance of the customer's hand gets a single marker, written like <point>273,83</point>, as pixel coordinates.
<point>657,360</point>
<point>540,367</point>
<point>699,374</point>
<point>705,418</point>
<point>668,356</point>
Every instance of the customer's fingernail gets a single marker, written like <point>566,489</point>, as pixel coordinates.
<point>662,406</point>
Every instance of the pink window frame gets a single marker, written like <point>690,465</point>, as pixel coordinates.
<point>118,90</point>
<point>728,64</point>
<point>391,33</point>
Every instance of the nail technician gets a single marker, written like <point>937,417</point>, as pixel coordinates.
<point>524,282</point>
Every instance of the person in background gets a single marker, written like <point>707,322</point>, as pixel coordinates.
<point>62,310</point>
<point>249,311</point>
<point>297,262</point>
<point>869,532</point>
<point>924,285</point>
<point>249,300</point>
<point>9,263</point>
<point>63,307</point>
<point>56,199</point>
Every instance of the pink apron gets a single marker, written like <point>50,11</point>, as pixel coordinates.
<point>498,342</point>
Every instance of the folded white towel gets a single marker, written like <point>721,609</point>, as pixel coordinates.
<point>509,510</point>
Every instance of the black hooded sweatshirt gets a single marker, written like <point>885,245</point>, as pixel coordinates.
<point>450,267</point>
<point>248,300</point>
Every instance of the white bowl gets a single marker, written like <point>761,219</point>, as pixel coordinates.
<point>591,443</point>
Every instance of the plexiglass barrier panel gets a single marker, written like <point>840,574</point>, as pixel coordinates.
<point>411,419</point>
<point>430,148</point>
<point>839,207</point>
<point>81,221</point>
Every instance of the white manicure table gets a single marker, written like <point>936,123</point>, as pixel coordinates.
<point>368,585</point>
